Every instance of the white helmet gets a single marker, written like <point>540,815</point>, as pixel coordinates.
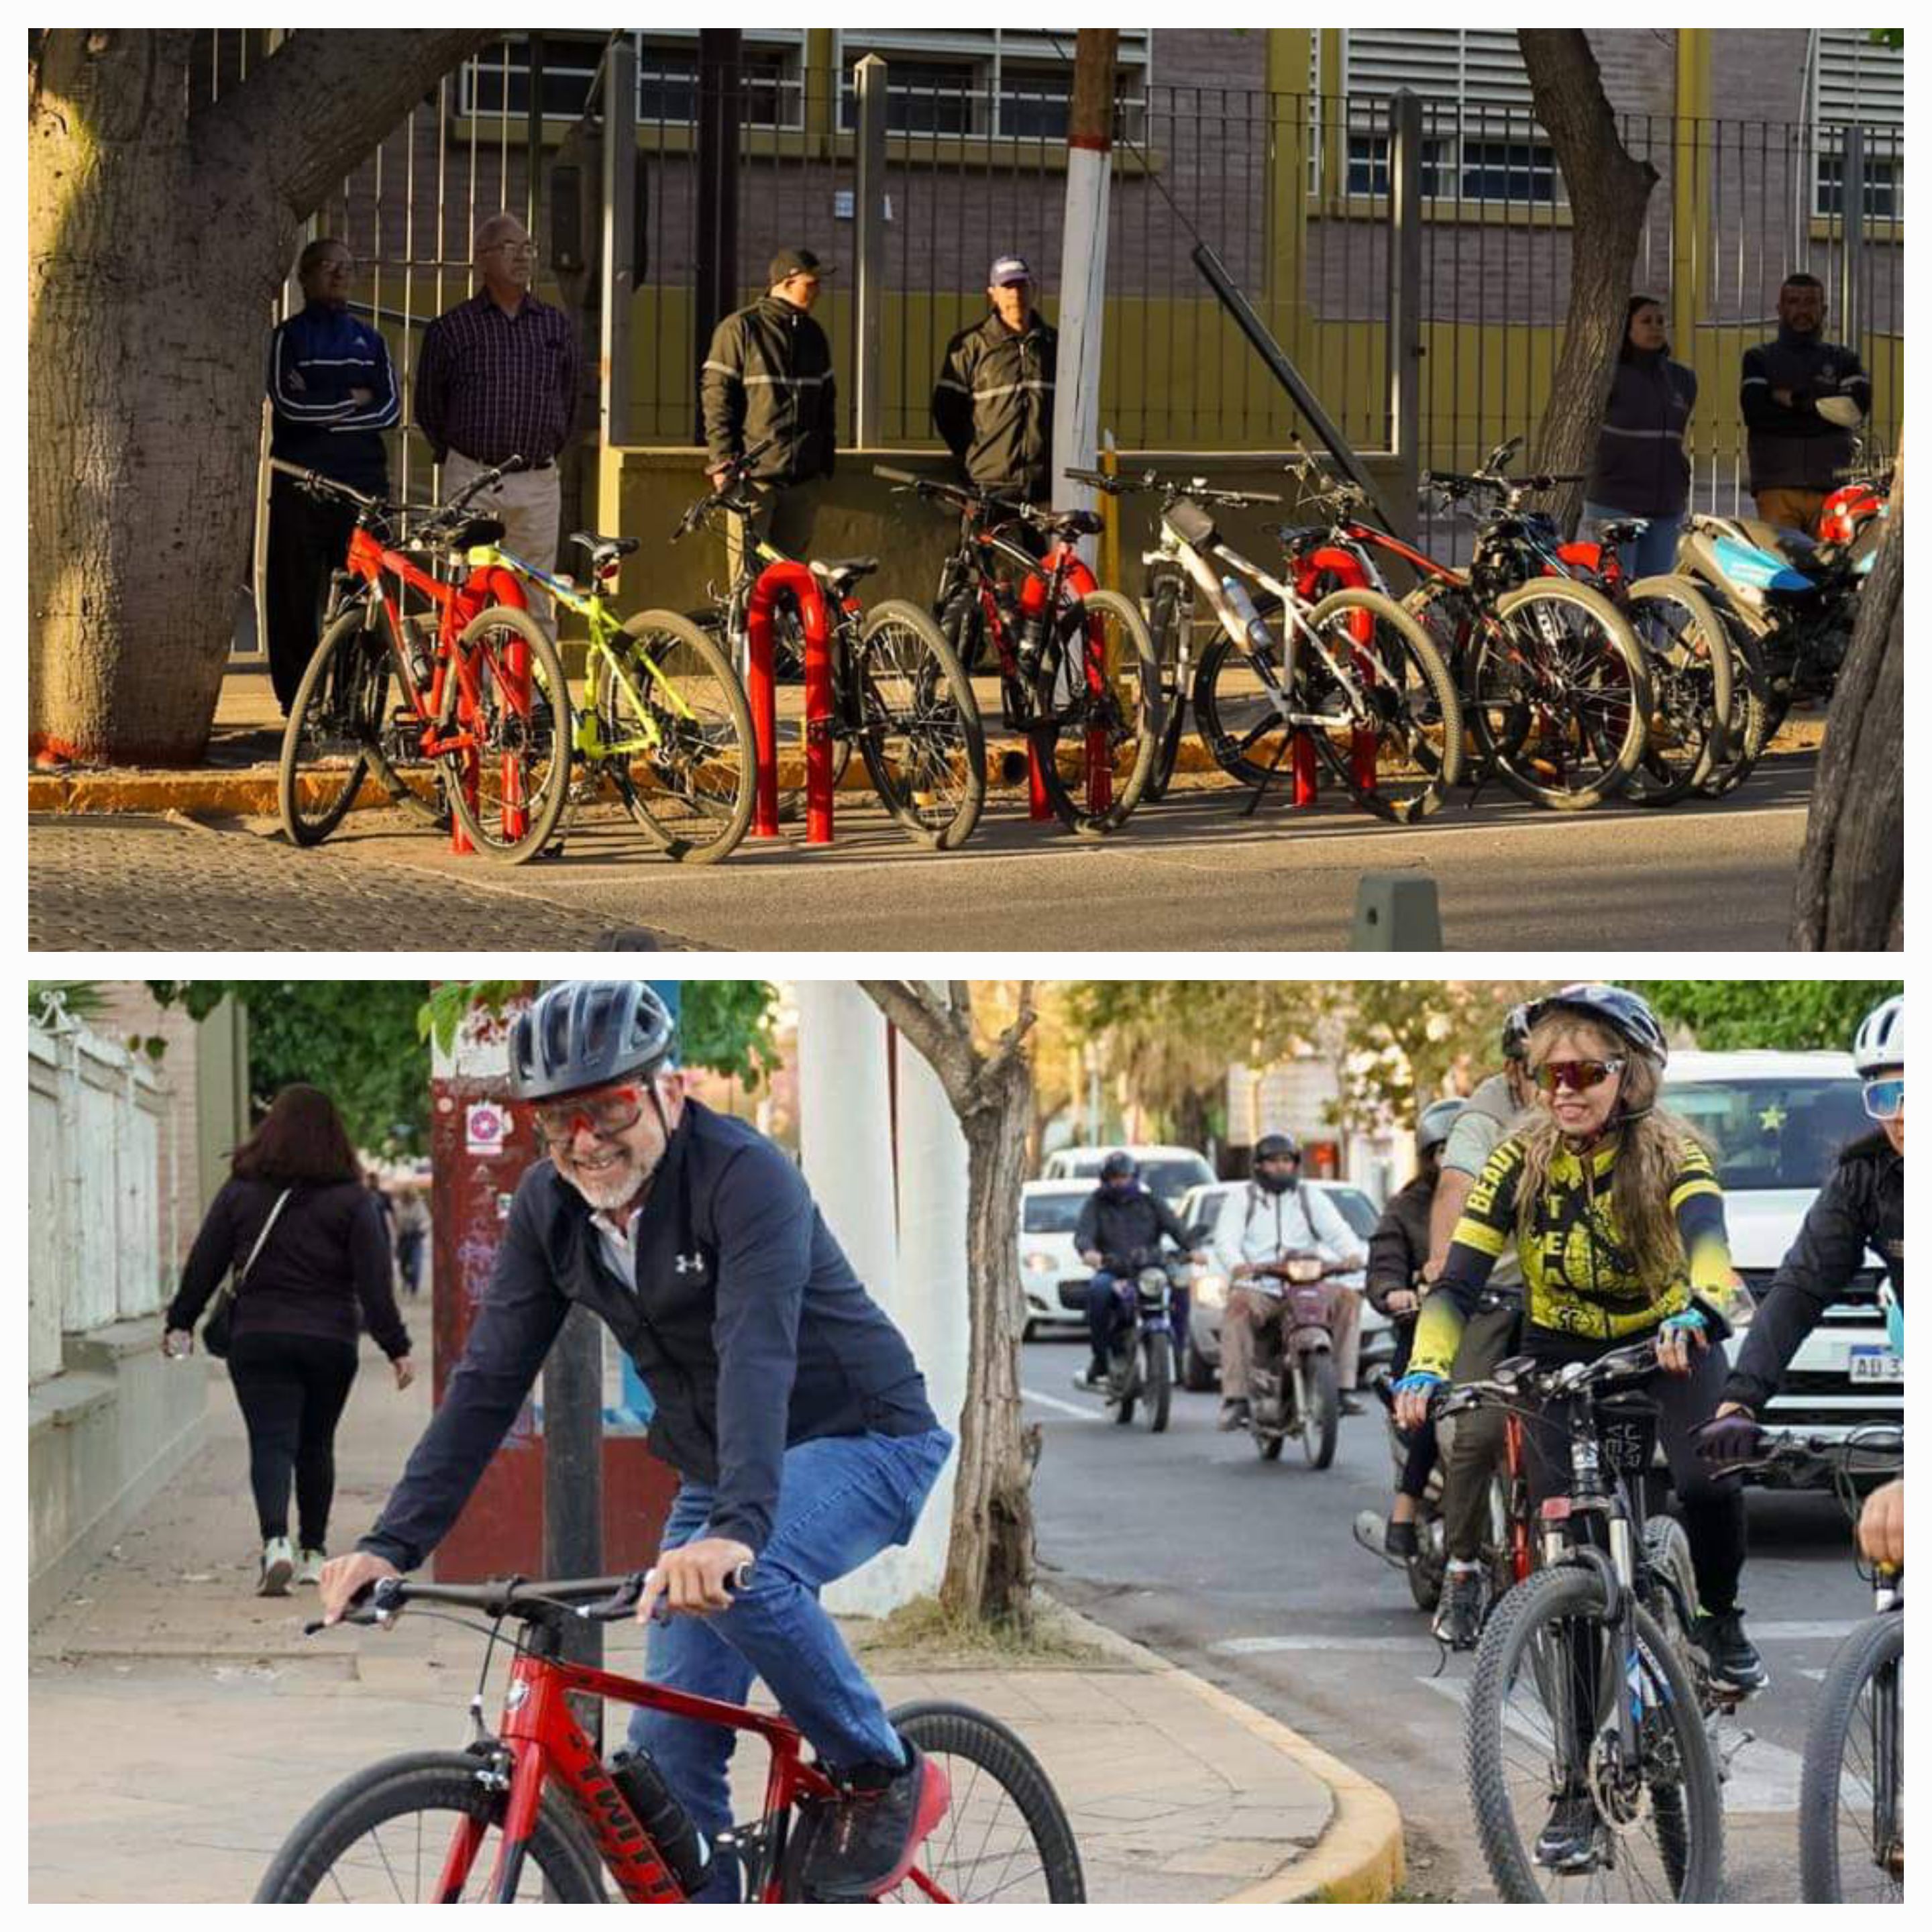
<point>1881,1038</point>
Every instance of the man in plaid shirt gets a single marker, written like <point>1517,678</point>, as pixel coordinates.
<point>498,377</point>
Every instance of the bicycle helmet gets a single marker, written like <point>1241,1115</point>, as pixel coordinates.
<point>1119,1167</point>
<point>1431,1129</point>
<point>1515,1032</point>
<point>583,1032</point>
<point>1627,1015</point>
<point>1881,1038</point>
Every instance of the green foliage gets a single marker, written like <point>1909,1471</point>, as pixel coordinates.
<point>1403,1037</point>
<point>80,999</point>
<point>1792,1015</point>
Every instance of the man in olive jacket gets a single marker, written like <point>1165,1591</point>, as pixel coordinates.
<point>994,401</point>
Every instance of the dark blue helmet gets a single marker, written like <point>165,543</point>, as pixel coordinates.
<point>1627,1015</point>
<point>583,1032</point>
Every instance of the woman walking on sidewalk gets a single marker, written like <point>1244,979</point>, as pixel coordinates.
<point>307,1243</point>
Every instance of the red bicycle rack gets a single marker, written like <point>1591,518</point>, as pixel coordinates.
<point>796,581</point>
<point>1080,580</point>
<point>1333,563</point>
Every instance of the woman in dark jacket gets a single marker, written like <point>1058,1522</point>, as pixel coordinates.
<point>293,1353</point>
<point>1641,469</point>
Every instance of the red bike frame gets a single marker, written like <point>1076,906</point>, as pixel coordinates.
<point>546,1744</point>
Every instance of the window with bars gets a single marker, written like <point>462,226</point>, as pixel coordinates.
<point>497,81</point>
<point>1857,81</point>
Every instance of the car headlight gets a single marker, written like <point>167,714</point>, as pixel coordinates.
<point>1039,1263</point>
<point>1210,1290</point>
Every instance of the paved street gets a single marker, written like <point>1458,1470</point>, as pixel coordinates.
<point>1189,873</point>
<point>1247,1572</point>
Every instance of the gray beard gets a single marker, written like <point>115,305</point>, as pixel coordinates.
<point>618,1189</point>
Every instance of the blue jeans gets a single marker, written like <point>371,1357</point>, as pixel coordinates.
<point>841,1500</point>
<point>1654,553</point>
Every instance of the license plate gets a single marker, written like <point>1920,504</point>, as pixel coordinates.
<point>1875,1365</point>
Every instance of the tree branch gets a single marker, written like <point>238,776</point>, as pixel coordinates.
<point>940,1036</point>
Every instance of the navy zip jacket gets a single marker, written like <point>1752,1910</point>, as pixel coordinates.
<point>315,360</point>
<point>1791,446</point>
<point>1641,467</point>
<point>745,1321</point>
<point>1127,1230</point>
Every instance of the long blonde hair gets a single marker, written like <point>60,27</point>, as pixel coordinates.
<point>1651,1144</point>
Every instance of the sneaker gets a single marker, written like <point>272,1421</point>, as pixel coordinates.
<point>1092,1377</point>
<point>1568,1842</point>
<point>278,1565</point>
<point>1235,1414</point>
<point>1733,1658</point>
<point>867,1840</point>
<point>309,1571</point>
<point>1400,1540</point>
<point>1459,1616</point>
<point>1351,1402</point>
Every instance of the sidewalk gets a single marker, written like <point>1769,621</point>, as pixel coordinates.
<point>179,1725</point>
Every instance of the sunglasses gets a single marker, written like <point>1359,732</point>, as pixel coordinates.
<point>1578,1076</point>
<point>605,1115</point>
<point>1885,1099</point>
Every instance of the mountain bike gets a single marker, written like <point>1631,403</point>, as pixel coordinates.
<point>1353,671</point>
<point>664,719</point>
<point>1851,1812</point>
<point>530,1809</point>
<point>484,701</point>
<point>897,693</point>
<point>1076,666</point>
<point>1588,1693</point>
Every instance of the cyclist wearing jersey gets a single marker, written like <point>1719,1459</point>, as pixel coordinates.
<point>1859,1210</point>
<point>788,1403</point>
<point>1611,1207</point>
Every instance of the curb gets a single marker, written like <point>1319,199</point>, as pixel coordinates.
<point>1358,1858</point>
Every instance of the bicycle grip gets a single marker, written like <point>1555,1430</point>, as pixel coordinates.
<point>904,476</point>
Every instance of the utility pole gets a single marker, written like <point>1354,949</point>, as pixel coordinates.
<point>721,111</point>
<point>1083,262</point>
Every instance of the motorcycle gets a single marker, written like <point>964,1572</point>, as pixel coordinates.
<point>1292,1384</point>
<point>1141,1363</point>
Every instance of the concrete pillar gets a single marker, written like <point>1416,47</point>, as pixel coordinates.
<point>844,1124</point>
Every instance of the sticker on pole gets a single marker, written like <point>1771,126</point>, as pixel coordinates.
<point>486,1127</point>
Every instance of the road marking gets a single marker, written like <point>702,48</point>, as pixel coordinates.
<point>1065,1408</point>
<point>1800,1632</point>
<point>1267,1646</point>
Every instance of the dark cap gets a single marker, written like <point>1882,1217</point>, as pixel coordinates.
<point>790,262</point>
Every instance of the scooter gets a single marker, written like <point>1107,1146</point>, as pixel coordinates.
<point>1291,1385</point>
<point>1141,1363</point>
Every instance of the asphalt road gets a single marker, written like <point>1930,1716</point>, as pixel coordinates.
<point>1247,1572</point>
<point>1191,873</point>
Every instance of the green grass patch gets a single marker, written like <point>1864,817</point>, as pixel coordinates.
<point>924,1632</point>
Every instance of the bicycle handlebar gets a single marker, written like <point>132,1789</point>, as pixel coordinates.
<point>1171,487</point>
<point>603,1599</point>
<point>724,497</point>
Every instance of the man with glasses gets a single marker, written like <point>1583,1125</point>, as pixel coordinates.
<point>788,1403</point>
<point>498,377</point>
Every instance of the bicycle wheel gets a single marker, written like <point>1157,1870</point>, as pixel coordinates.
<point>1546,1669</point>
<point>1751,719</point>
<point>687,770</point>
<point>1398,746</point>
<point>1558,694</point>
<point>1170,615</point>
<point>1689,660</point>
<point>1097,692</point>
<point>787,705</point>
<point>383,1836</point>
<point>918,727</point>
<point>510,785</point>
<point>1851,1832</point>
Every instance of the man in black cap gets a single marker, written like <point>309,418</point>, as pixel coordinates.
<point>994,401</point>
<point>768,375</point>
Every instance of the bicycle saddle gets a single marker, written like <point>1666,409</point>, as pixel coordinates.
<point>602,548</point>
<point>847,572</point>
<point>1075,523</point>
<point>1625,529</point>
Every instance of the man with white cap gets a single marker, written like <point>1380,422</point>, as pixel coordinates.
<point>993,404</point>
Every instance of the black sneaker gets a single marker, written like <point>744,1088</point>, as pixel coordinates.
<point>1733,1658</point>
<point>1235,1414</point>
<point>1459,1616</point>
<point>867,1840</point>
<point>1568,1842</point>
<point>1400,1540</point>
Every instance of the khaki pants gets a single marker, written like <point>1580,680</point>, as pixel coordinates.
<point>528,505</point>
<point>1476,1443</point>
<point>1248,1312</point>
<point>1792,509</point>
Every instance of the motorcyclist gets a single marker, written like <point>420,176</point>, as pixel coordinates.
<point>1119,1227</point>
<point>1274,1216</point>
<point>1398,1253</point>
<point>1860,1210</point>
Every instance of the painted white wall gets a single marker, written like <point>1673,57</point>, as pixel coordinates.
<point>844,1125</point>
<point>1083,291</point>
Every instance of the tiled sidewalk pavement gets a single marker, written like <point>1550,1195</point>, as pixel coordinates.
<point>179,1725</point>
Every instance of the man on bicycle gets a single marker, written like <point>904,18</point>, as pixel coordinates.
<point>789,1404</point>
<point>1859,1210</point>
<point>993,404</point>
<point>1274,1216</point>
<point>1121,1223</point>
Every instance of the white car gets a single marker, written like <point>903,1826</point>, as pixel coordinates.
<point>1776,1122</point>
<point>1200,1360</point>
<point>1168,1171</point>
<point>1049,1262</point>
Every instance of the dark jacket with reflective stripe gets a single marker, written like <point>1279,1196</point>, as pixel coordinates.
<point>1399,1245</point>
<point>745,1321</point>
<point>768,372</point>
<point>993,405</point>
<point>1641,468</point>
<point>1793,447</point>
<point>1860,1209</point>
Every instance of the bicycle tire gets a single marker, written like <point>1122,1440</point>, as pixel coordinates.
<point>560,1859</point>
<point>1157,1386</point>
<point>1692,692</point>
<point>1875,1646</point>
<point>934,790</point>
<point>1691,1850</point>
<point>1752,723</point>
<point>1420,712</point>
<point>1169,608</point>
<point>343,695</point>
<point>1513,731</point>
<point>963,625</point>
<point>695,790</point>
<point>1127,711</point>
<point>1321,1419</point>
<point>483,822</point>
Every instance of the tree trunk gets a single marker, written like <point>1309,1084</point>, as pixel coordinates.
<point>1851,876</point>
<point>157,240</point>
<point>1608,189</point>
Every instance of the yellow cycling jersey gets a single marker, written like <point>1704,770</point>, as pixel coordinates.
<point>1580,1278</point>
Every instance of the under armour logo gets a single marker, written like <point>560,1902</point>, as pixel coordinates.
<point>690,1264</point>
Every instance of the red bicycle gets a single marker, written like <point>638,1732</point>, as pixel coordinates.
<point>530,1811</point>
<point>484,702</point>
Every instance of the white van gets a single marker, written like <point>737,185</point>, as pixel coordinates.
<point>1168,1171</point>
